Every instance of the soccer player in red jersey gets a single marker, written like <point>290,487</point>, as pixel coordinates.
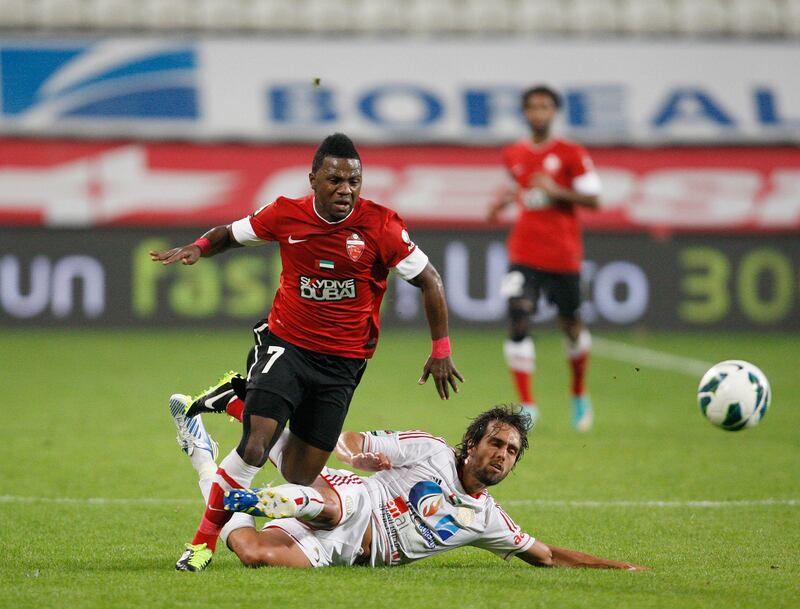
<point>553,178</point>
<point>336,251</point>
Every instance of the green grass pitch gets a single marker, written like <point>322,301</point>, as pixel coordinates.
<point>86,436</point>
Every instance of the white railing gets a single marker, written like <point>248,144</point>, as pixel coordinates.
<point>667,18</point>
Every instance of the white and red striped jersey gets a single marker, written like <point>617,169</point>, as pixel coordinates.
<point>420,508</point>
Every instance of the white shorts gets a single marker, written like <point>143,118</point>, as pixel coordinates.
<point>340,546</point>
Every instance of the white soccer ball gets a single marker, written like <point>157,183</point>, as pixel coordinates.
<point>734,394</point>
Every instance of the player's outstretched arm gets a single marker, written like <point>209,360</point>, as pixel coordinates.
<point>350,450</point>
<point>439,364</point>
<point>544,555</point>
<point>215,241</point>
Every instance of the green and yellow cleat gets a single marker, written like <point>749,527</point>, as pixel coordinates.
<point>195,558</point>
<point>216,397</point>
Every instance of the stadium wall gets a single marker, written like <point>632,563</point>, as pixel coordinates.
<point>103,277</point>
<point>633,91</point>
<point>71,183</point>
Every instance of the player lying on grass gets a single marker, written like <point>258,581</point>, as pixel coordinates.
<point>426,498</point>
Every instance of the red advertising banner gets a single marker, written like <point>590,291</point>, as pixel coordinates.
<point>83,184</point>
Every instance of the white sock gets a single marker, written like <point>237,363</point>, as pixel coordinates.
<point>580,346</point>
<point>276,452</point>
<point>236,469</point>
<point>308,501</point>
<point>239,520</point>
<point>206,468</point>
<point>520,355</point>
<point>207,479</point>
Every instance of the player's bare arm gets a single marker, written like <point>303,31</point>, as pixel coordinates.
<point>544,555</point>
<point>350,450</point>
<point>215,241</point>
<point>439,364</point>
<point>563,195</point>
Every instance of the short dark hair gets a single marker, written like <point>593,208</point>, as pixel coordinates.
<point>336,145</point>
<point>542,90</point>
<point>507,414</point>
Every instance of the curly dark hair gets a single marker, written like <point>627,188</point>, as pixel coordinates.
<point>508,414</point>
<point>336,145</point>
<point>541,90</point>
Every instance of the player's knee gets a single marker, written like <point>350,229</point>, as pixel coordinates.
<point>519,320</point>
<point>256,555</point>
<point>518,332</point>
<point>571,325</point>
<point>252,453</point>
<point>254,447</point>
<point>298,476</point>
<point>250,556</point>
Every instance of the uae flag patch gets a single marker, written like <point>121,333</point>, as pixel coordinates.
<point>325,264</point>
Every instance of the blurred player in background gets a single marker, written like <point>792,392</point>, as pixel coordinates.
<point>553,177</point>
<point>427,498</point>
<point>336,251</point>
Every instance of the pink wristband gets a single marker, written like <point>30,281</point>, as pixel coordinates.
<point>440,347</point>
<point>204,243</point>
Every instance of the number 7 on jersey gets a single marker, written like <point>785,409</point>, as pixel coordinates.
<point>275,352</point>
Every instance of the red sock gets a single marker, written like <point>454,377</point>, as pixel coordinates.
<point>215,515</point>
<point>578,365</point>
<point>235,408</point>
<point>524,386</point>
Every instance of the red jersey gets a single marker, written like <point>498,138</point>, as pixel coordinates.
<point>545,236</point>
<point>334,273</point>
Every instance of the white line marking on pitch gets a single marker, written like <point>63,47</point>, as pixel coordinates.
<point>648,357</point>
<point>556,503</point>
<point>98,500</point>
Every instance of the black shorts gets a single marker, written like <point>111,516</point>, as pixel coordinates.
<point>310,390</point>
<point>527,283</point>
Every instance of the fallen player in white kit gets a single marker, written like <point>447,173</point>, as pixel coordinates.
<point>426,498</point>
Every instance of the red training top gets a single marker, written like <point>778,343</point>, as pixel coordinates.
<point>545,236</point>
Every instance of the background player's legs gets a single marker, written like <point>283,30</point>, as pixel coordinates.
<point>578,346</point>
<point>565,292</point>
<point>520,353</point>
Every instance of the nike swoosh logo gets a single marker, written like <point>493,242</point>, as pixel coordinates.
<point>296,240</point>
<point>225,394</point>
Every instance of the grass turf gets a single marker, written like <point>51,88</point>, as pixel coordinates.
<point>85,416</point>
